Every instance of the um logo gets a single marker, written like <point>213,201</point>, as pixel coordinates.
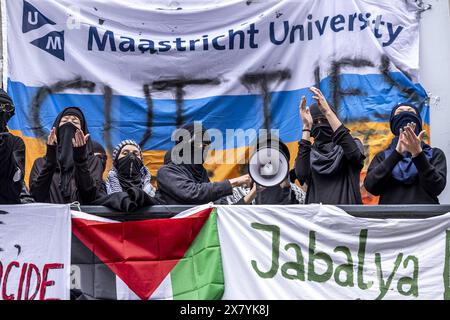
<point>52,42</point>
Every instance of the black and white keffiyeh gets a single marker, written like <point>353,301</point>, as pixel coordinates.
<point>112,182</point>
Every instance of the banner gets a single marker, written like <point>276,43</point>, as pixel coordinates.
<point>156,259</point>
<point>34,252</point>
<point>139,71</point>
<point>321,252</point>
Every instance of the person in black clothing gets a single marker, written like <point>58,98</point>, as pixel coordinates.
<point>100,152</point>
<point>69,171</point>
<point>331,166</point>
<point>128,169</point>
<point>12,156</point>
<point>409,171</point>
<point>184,180</point>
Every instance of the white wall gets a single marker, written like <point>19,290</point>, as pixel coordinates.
<point>435,75</point>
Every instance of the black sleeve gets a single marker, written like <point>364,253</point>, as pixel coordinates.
<point>129,201</point>
<point>432,174</point>
<point>12,168</point>
<point>41,175</point>
<point>224,201</point>
<point>88,175</point>
<point>302,162</point>
<point>353,148</point>
<point>379,171</point>
<point>240,202</point>
<point>185,190</point>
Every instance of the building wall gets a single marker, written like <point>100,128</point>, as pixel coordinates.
<point>435,75</point>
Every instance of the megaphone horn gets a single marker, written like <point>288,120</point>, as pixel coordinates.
<point>269,162</point>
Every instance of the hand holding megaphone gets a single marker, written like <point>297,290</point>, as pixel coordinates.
<point>241,181</point>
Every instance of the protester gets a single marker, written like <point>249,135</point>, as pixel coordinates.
<point>286,192</point>
<point>184,180</point>
<point>330,166</point>
<point>128,170</point>
<point>100,152</point>
<point>409,171</point>
<point>69,171</point>
<point>12,156</point>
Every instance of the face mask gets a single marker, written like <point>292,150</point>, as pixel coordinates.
<point>199,153</point>
<point>321,132</point>
<point>66,131</point>
<point>129,167</point>
<point>402,119</point>
<point>65,134</point>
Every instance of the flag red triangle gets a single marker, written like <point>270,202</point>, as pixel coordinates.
<point>141,253</point>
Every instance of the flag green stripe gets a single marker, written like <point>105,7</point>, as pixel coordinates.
<point>199,274</point>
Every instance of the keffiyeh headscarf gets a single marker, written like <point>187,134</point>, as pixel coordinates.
<point>128,172</point>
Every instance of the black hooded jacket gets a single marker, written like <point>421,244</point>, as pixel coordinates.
<point>340,187</point>
<point>83,180</point>
<point>189,183</point>
<point>12,168</point>
<point>424,188</point>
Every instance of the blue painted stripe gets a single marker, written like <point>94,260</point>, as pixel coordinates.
<point>129,114</point>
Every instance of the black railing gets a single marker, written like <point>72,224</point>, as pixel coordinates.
<point>366,211</point>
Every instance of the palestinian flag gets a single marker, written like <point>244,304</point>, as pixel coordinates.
<point>177,258</point>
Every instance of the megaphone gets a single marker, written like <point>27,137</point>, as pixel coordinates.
<point>269,163</point>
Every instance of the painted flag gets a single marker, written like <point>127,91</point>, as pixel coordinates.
<point>177,258</point>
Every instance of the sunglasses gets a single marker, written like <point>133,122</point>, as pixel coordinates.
<point>6,107</point>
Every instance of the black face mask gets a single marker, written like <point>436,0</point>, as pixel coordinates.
<point>199,153</point>
<point>129,171</point>
<point>402,119</point>
<point>321,133</point>
<point>65,134</point>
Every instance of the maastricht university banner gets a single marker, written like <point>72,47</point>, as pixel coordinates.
<point>139,71</point>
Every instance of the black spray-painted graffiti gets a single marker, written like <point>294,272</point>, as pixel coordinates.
<point>2,223</point>
<point>260,80</point>
<point>335,80</point>
<point>18,247</point>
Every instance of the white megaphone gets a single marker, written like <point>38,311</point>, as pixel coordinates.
<point>269,163</point>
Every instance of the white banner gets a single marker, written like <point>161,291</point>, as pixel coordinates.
<point>35,243</point>
<point>140,70</point>
<point>321,252</point>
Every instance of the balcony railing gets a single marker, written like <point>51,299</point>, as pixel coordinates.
<point>361,211</point>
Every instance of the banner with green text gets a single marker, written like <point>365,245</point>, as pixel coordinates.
<point>321,252</point>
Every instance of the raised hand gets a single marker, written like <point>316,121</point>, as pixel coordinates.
<point>52,140</point>
<point>401,142</point>
<point>305,114</point>
<point>79,139</point>
<point>251,195</point>
<point>321,101</point>
<point>244,180</point>
<point>325,108</point>
<point>413,142</point>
